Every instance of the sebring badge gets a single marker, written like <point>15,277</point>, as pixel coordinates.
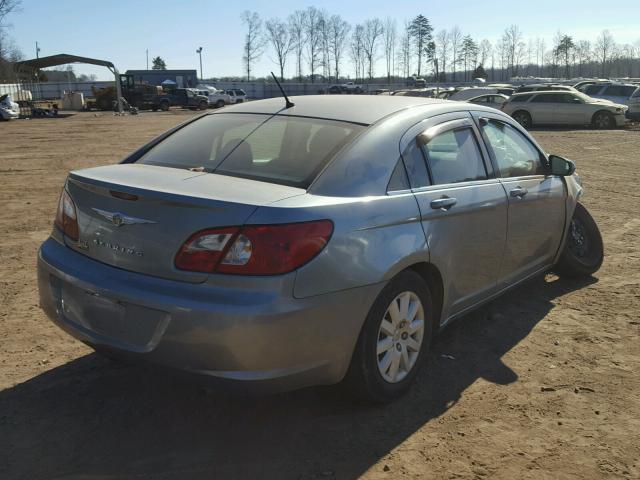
<point>119,219</point>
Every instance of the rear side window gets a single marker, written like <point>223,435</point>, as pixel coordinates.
<point>520,98</point>
<point>416,166</point>
<point>278,149</point>
<point>454,157</point>
<point>619,90</point>
<point>399,180</point>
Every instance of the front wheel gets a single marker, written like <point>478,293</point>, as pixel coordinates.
<point>603,121</point>
<point>583,250</point>
<point>393,341</point>
<point>220,103</point>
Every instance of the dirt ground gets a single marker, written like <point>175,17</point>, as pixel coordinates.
<point>542,383</point>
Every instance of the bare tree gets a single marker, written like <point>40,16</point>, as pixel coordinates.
<point>443,43</point>
<point>603,49</point>
<point>312,31</point>
<point>7,7</point>
<point>404,60</point>
<point>484,51</point>
<point>253,40</point>
<point>297,21</point>
<point>279,36</point>
<point>456,43</point>
<point>583,54</point>
<point>373,30</point>
<point>338,31</point>
<point>356,49</point>
<point>514,45</point>
<point>389,45</point>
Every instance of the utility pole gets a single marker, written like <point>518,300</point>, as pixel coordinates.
<point>37,50</point>
<point>147,58</point>
<point>199,52</point>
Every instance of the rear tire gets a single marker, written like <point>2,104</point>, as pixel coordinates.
<point>164,106</point>
<point>603,121</point>
<point>387,357</point>
<point>583,251</point>
<point>523,118</point>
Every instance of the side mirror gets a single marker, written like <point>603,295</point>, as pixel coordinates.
<point>561,166</point>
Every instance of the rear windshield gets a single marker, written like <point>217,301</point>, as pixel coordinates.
<point>279,149</point>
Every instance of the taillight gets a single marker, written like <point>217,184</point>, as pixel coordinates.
<point>203,251</point>
<point>254,249</point>
<point>66,217</point>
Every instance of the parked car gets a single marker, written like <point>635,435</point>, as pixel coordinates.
<point>581,85</point>
<point>564,108</point>
<point>215,97</point>
<point>472,92</point>
<point>542,87</point>
<point>615,92</point>
<point>8,108</point>
<point>494,100</point>
<point>237,95</point>
<point>307,250</point>
<point>634,106</point>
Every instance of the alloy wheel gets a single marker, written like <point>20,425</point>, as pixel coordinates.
<point>400,337</point>
<point>603,121</point>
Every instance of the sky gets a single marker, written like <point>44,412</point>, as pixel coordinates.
<point>121,31</point>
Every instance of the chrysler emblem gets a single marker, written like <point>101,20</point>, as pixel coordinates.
<point>119,219</point>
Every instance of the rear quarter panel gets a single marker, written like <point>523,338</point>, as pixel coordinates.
<point>373,239</point>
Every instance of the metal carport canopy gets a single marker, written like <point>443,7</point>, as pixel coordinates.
<point>63,59</point>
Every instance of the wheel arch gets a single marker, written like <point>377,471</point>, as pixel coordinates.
<point>433,278</point>
<point>597,112</point>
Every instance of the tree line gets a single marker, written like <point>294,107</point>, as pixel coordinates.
<point>325,47</point>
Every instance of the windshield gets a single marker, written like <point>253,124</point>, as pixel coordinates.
<point>279,149</point>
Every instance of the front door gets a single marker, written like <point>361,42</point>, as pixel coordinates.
<point>536,200</point>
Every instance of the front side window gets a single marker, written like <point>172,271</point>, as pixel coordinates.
<point>593,89</point>
<point>514,155</point>
<point>278,149</point>
<point>454,157</point>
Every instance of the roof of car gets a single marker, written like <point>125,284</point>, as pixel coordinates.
<point>365,109</point>
<point>541,92</point>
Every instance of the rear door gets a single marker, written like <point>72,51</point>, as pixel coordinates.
<point>536,200</point>
<point>542,107</point>
<point>571,110</point>
<point>463,208</point>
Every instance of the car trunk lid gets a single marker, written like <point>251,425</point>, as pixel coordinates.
<point>136,217</point>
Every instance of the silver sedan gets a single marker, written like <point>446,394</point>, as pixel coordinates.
<point>273,247</point>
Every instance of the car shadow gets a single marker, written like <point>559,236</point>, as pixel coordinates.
<point>92,418</point>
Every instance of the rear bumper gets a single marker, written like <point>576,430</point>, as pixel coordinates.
<point>256,339</point>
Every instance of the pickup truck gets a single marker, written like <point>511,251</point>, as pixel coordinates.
<point>182,97</point>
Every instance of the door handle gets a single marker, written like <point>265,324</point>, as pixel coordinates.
<point>518,192</point>
<point>444,203</point>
